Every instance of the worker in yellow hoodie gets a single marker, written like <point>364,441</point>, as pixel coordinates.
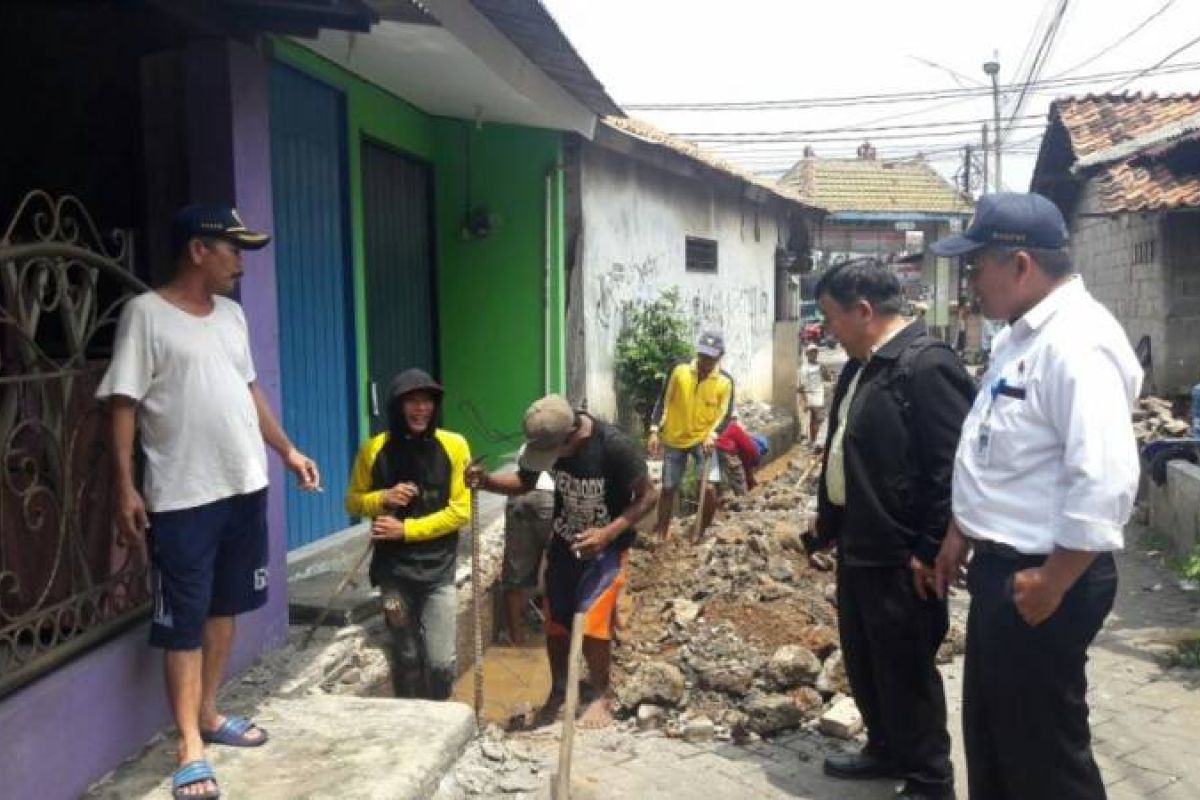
<point>409,482</point>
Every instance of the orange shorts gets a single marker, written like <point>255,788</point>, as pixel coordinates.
<point>590,587</point>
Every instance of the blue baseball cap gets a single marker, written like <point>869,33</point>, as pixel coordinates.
<point>215,221</point>
<point>1008,219</point>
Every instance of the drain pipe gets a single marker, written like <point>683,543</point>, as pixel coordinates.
<point>547,273</point>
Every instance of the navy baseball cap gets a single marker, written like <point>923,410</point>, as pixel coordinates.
<point>216,221</point>
<point>1008,219</point>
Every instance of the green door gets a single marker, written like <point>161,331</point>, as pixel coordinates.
<point>401,316</point>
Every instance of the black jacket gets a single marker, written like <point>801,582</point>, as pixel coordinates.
<point>905,420</point>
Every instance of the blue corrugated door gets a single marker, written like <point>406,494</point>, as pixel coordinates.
<point>316,331</point>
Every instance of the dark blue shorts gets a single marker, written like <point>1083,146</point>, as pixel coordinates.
<point>209,561</point>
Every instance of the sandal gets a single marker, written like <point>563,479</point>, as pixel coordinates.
<point>233,733</point>
<point>190,774</point>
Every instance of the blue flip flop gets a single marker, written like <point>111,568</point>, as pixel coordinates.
<point>233,733</point>
<point>190,774</point>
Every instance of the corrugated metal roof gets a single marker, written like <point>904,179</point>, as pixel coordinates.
<point>862,184</point>
<point>528,25</point>
<point>644,131</point>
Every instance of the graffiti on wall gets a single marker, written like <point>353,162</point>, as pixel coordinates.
<point>743,314</point>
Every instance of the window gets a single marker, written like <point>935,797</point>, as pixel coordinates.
<point>701,255</point>
<point>1143,252</point>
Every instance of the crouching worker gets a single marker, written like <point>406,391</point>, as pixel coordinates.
<point>410,481</point>
<point>601,490</point>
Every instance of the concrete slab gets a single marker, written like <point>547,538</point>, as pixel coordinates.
<point>308,596</point>
<point>321,747</point>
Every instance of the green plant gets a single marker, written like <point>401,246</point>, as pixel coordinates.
<point>653,339</point>
<point>1188,565</point>
<point>1187,654</point>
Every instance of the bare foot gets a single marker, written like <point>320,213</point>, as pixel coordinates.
<point>597,714</point>
<point>550,712</point>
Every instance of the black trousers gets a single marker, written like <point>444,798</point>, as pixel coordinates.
<point>890,640</point>
<point>1025,719</point>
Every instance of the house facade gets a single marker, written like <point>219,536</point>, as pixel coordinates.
<point>407,157</point>
<point>651,213</point>
<point>1125,171</point>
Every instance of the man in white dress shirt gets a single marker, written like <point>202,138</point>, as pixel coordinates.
<point>1044,482</point>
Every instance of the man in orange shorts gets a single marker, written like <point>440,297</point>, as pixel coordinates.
<point>601,490</point>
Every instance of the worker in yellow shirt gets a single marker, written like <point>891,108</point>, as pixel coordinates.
<point>695,406</point>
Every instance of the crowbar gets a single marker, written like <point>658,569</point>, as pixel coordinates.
<point>336,593</point>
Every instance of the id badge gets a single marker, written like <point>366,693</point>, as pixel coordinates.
<point>983,443</point>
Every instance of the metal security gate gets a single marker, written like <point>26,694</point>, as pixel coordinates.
<point>401,308</point>
<point>316,331</point>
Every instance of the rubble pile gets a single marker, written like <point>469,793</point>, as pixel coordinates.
<point>1154,419</point>
<point>736,636</point>
<point>757,416</point>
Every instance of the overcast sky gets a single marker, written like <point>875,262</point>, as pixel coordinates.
<point>683,51</point>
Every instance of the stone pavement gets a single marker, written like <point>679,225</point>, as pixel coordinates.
<point>1145,718</point>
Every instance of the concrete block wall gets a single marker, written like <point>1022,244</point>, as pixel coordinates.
<point>1175,506</point>
<point>1138,294</point>
<point>1181,252</point>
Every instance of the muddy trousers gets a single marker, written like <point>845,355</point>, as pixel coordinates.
<point>422,621</point>
<point>890,639</point>
<point>1025,719</point>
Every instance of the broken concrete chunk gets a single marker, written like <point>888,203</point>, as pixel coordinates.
<point>653,682</point>
<point>842,720</point>
<point>650,717</point>
<point>792,665</point>
<point>700,729</point>
<point>771,713</point>
<point>833,675</point>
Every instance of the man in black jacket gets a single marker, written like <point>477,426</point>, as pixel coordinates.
<point>885,501</point>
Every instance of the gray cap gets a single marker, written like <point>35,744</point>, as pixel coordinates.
<point>548,425</point>
<point>711,344</point>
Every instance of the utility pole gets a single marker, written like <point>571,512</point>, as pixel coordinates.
<point>992,68</point>
<point>967,170</point>
<point>985,158</point>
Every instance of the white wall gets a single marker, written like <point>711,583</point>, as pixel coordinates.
<point>635,220</point>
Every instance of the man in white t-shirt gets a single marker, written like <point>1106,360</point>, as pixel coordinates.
<point>811,390</point>
<point>182,376</point>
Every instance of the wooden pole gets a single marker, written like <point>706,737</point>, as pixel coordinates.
<point>562,785</point>
<point>699,529</point>
<point>477,607</point>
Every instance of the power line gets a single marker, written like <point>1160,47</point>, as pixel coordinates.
<point>907,96</point>
<point>1039,63</point>
<point>715,135</point>
<point>1148,70</point>
<point>1122,40</point>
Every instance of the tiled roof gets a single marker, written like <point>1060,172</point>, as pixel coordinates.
<point>640,129</point>
<point>870,185</point>
<point>1142,150</point>
<point>1098,122</point>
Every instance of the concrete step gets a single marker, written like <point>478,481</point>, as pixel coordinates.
<point>322,746</point>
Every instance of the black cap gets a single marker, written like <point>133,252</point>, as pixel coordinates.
<point>1009,219</point>
<point>221,222</point>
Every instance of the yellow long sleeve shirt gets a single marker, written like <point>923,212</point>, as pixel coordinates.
<point>364,499</point>
<point>693,408</point>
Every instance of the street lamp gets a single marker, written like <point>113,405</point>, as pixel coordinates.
<point>992,69</point>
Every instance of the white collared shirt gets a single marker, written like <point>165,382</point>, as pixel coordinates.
<point>1047,456</point>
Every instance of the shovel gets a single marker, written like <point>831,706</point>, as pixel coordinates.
<point>699,529</point>
<point>562,781</point>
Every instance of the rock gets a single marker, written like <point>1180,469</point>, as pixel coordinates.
<point>823,562</point>
<point>652,682</point>
<point>684,611</point>
<point>773,590</point>
<point>699,729</point>
<point>725,677</point>
<point>833,675</point>
<point>770,713</point>
<point>791,666</point>
<point>351,676</point>
<point>781,571</point>
<point>820,639</point>
<point>492,751</point>
<point>842,720</point>
<point>520,784</point>
<point>809,701</point>
<point>650,716</point>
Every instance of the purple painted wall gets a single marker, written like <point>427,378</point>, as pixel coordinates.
<point>71,727</point>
